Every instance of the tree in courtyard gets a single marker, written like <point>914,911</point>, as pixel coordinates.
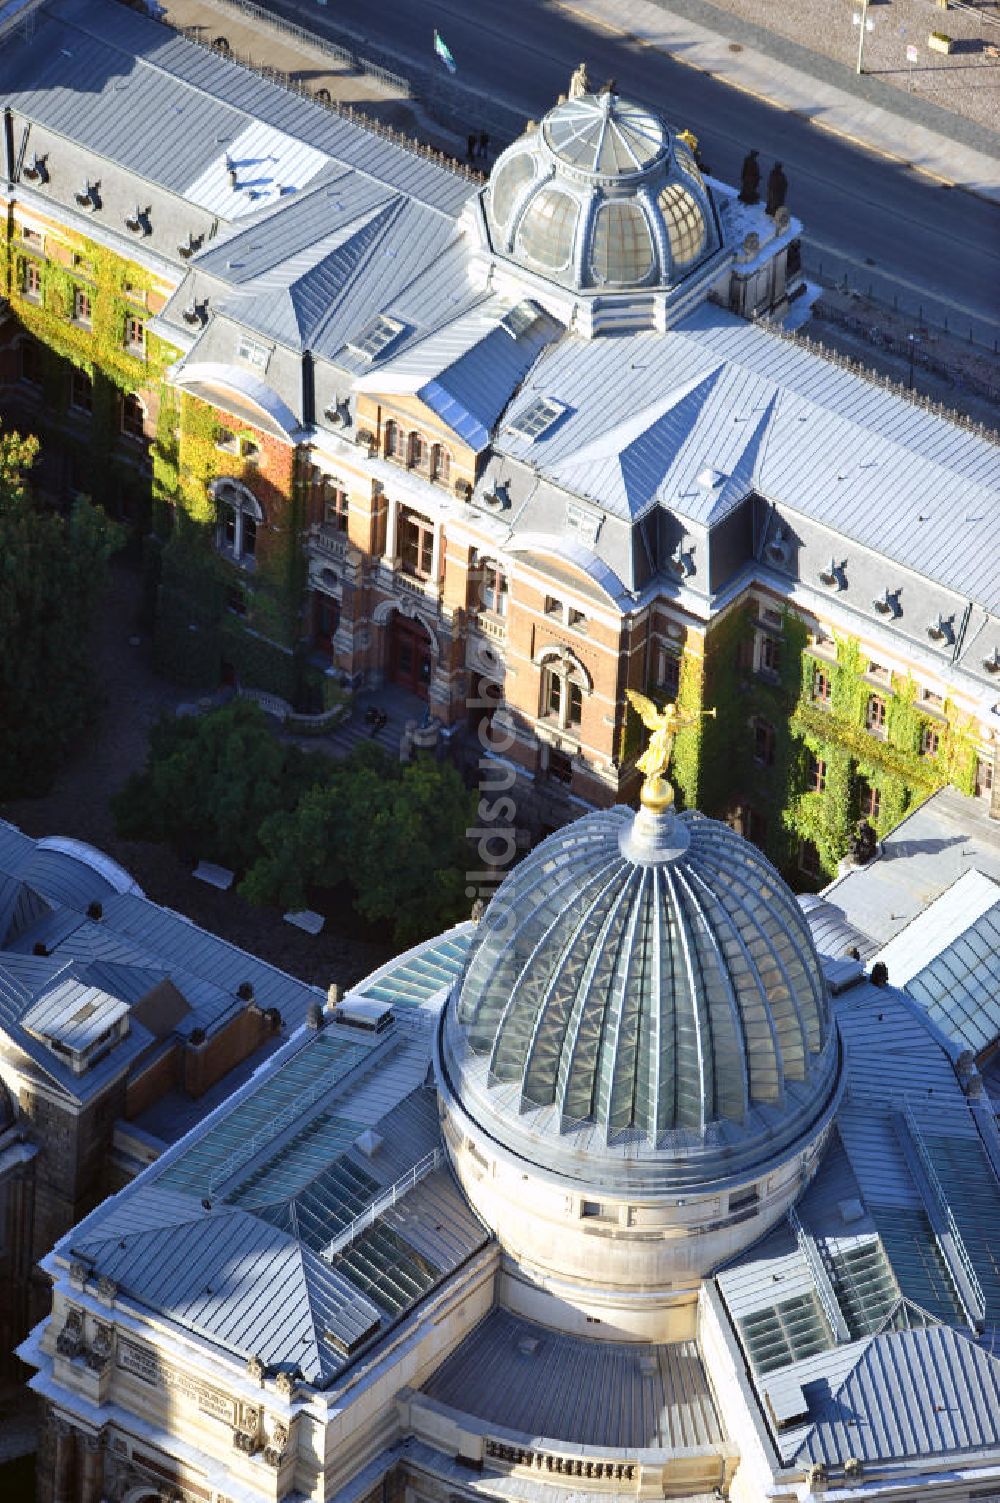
<point>53,570</point>
<point>396,835</point>
<point>211,781</point>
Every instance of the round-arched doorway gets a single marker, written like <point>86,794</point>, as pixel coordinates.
<point>410,654</point>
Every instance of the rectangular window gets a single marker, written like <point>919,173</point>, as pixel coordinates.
<point>81,391</point>
<point>335,505</point>
<point>417,551</point>
<point>134,294</point>
<point>31,236</point>
<point>809,859</point>
<point>576,618</point>
<point>82,265</point>
<point>30,362</point>
<point>133,416</point>
<point>31,282</point>
<point>930,740</point>
<point>743,1200</point>
<point>668,674</point>
<point>226,441</point>
<point>879,671</point>
<point>763,743</point>
<point>768,655</point>
<point>494,589</point>
<point>869,801</point>
<point>931,700</point>
<point>81,307</point>
<point>135,334</point>
<point>821,686</point>
<point>591,1208</point>
<point>817,774</point>
<point>875,715</point>
<point>561,769</point>
<point>553,607</point>
<point>984,777</point>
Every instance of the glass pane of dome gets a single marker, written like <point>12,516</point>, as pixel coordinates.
<point>685,223</point>
<point>547,229</point>
<point>686,163</point>
<point>602,134</point>
<point>506,183</point>
<point>622,248</point>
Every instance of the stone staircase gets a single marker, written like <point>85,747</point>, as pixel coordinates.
<point>395,703</point>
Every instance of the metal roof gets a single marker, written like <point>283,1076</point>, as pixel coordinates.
<point>927,1392</point>
<point>616,1395</point>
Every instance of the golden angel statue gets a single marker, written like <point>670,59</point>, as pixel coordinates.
<point>664,725</point>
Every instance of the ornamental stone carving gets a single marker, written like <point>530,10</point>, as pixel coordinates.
<point>277,1444</point>
<point>99,1355</point>
<point>78,1273</point>
<point>107,1289</point>
<point>817,1476</point>
<point>285,1384</point>
<point>255,1368</point>
<point>854,1468</point>
<point>69,1342</point>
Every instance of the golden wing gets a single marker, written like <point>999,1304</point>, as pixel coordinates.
<point>651,717</point>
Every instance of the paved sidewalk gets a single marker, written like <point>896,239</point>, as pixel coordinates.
<point>887,121</point>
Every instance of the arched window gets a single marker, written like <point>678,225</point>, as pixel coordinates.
<point>440,464</point>
<point>417,451</point>
<point>133,416</point>
<point>240,516</point>
<point>391,439</point>
<point>563,684</point>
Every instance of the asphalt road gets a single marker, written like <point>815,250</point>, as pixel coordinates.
<point>881,224</point>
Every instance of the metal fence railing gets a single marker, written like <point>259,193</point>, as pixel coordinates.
<point>384,1202</point>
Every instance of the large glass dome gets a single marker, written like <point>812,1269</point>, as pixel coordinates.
<point>644,989</point>
<point>602,196</point>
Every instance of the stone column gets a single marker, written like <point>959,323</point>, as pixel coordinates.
<point>92,1487</point>
<point>65,1456</point>
<point>390,530</point>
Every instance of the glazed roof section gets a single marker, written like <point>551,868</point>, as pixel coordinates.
<point>885,1281</point>
<point>768,415</point>
<point>137,93</point>
<point>325,1170</point>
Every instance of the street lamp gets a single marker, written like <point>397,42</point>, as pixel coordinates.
<point>862,22</point>
<point>914,341</point>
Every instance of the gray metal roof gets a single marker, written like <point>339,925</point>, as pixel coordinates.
<point>527,1378</point>
<point>926,854</point>
<point>929,1392</point>
<point>771,416</point>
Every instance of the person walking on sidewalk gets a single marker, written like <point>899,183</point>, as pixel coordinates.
<point>484,144</point>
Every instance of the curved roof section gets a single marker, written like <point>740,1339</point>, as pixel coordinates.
<point>648,985</point>
<point>602,198</point>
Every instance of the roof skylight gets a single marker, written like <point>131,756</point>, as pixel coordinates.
<point>537,418</point>
<point>376,337</point>
<point>519,319</point>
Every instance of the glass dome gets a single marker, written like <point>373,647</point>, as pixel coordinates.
<point>650,983</point>
<point>602,195</point>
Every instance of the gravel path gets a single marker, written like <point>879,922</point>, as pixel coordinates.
<point>115,746</point>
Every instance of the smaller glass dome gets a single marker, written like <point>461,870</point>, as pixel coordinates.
<point>602,195</point>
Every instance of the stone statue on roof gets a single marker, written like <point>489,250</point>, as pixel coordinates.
<point>777,187</point>
<point>580,84</point>
<point>750,179</point>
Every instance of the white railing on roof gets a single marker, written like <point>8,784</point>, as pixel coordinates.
<point>824,1288</point>
<point>384,1202</point>
<point>978,1312</point>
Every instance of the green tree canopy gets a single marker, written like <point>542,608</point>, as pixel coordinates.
<point>396,835</point>
<point>211,781</point>
<point>53,570</point>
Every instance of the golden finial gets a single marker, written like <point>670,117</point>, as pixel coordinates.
<point>657,793</point>
<point>689,138</point>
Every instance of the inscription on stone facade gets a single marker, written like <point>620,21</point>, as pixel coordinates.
<point>143,1362</point>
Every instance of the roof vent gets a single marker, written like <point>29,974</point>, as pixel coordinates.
<point>364,1014</point>
<point>245,991</point>
<point>36,171</point>
<point>87,196</point>
<point>833,576</point>
<point>992,664</point>
<point>527,1345</point>
<point>711,479</point>
<point>95,911</point>
<point>338,413</point>
<point>887,604</point>
<point>134,222</point>
<point>942,630</point>
<point>787,1405</point>
<point>368,1143</point>
<point>879,974</point>
<point>188,247</point>
<point>314,1016</point>
<point>195,313</point>
<point>850,1210</point>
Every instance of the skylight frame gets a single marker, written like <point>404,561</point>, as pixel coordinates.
<point>376,337</point>
<point>537,418</point>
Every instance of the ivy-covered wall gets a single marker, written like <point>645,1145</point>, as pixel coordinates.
<point>205,613</point>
